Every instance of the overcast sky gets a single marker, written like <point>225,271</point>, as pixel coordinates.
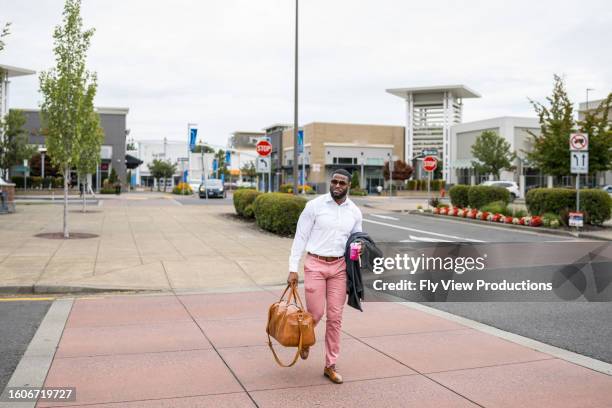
<point>228,64</point>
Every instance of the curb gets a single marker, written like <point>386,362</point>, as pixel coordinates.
<point>542,230</point>
<point>67,289</point>
<point>35,363</point>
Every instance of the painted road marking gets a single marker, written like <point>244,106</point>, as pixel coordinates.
<point>423,232</point>
<point>25,298</point>
<point>385,217</point>
<point>425,239</point>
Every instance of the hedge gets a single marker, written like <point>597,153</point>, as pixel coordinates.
<point>483,195</point>
<point>36,181</point>
<point>288,188</point>
<point>358,192</point>
<point>459,195</point>
<point>596,204</point>
<point>244,198</point>
<point>278,212</point>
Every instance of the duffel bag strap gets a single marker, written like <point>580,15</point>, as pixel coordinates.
<point>297,353</point>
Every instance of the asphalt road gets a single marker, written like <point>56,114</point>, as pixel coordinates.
<point>584,328</point>
<point>19,320</point>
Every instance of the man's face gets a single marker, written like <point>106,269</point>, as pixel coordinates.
<point>339,186</point>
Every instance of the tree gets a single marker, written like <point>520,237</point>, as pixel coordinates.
<point>5,31</point>
<point>597,127</point>
<point>401,170</point>
<point>68,90</point>
<point>355,180</point>
<point>161,170</point>
<point>249,170</point>
<point>492,153</point>
<point>14,147</point>
<point>207,149</point>
<point>156,169</point>
<point>550,151</point>
<point>168,170</point>
<point>89,147</point>
<point>221,165</point>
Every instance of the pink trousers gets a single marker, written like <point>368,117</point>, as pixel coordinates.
<point>325,288</point>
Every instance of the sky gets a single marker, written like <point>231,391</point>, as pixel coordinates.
<point>228,65</point>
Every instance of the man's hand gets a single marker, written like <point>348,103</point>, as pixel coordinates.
<point>292,279</point>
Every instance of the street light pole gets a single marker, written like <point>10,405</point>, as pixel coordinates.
<point>295,108</point>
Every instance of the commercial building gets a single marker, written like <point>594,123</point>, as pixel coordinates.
<point>431,111</point>
<point>515,130</point>
<point>112,152</point>
<point>603,178</point>
<point>328,146</point>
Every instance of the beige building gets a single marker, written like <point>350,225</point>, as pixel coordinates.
<point>329,146</point>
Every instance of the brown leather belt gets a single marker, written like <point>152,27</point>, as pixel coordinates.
<point>326,258</point>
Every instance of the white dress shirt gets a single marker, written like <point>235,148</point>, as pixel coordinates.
<point>324,228</point>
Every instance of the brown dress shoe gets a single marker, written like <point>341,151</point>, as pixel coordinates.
<point>304,352</point>
<point>332,374</point>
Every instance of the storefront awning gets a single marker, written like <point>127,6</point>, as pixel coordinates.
<point>132,162</point>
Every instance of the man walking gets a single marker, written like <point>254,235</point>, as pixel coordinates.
<point>323,230</point>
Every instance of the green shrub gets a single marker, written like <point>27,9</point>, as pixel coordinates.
<point>17,181</point>
<point>58,182</point>
<point>278,212</point>
<point>358,192</point>
<point>596,204</point>
<point>519,213</point>
<point>35,181</point>
<point>243,199</point>
<point>182,189</point>
<point>48,182</point>
<point>479,196</point>
<point>459,195</point>
<point>497,207</point>
<point>107,190</point>
<point>548,220</point>
<point>412,185</point>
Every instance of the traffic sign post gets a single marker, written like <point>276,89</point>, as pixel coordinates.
<point>579,164</point>
<point>430,163</point>
<point>264,162</point>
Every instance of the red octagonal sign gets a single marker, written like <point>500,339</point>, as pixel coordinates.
<point>263,148</point>
<point>430,163</point>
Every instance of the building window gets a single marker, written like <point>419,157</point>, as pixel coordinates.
<point>345,160</point>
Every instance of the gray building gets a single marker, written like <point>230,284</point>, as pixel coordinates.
<point>113,122</point>
<point>274,133</point>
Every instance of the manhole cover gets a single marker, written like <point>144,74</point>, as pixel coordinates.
<point>60,235</point>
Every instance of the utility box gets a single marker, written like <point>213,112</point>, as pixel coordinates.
<point>7,197</point>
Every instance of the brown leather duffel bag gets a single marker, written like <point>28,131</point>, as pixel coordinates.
<point>290,324</point>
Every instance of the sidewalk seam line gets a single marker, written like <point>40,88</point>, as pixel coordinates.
<point>217,351</point>
<point>557,352</point>
<point>413,369</point>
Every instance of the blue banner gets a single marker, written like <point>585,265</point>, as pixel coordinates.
<point>185,173</point>
<point>215,165</point>
<point>228,158</point>
<point>300,141</point>
<point>193,135</point>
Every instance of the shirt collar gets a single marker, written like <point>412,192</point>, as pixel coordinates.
<point>330,199</point>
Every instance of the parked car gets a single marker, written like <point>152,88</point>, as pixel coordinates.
<point>511,186</point>
<point>214,188</point>
<point>607,188</point>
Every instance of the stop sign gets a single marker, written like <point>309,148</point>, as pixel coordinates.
<point>263,148</point>
<point>430,163</point>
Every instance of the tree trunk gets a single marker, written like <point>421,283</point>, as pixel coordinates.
<point>85,195</point>
<point>66,178</point>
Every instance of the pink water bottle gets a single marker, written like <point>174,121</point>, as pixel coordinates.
<point>354,254</point>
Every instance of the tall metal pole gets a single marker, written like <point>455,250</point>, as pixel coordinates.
<point>295,108</point>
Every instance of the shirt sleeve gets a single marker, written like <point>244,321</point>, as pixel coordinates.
<point>302,233</point>
<point>358,227</point>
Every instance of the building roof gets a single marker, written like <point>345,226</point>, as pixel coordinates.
<point>460,91</point>
<point>15,71</point>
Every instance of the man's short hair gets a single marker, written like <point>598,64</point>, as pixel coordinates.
<point>342,172</point>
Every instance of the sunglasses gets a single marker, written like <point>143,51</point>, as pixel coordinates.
<point>339,182</point>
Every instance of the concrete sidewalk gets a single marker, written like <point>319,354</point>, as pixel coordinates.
<point>209,350</point>
<point>144,242</point>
